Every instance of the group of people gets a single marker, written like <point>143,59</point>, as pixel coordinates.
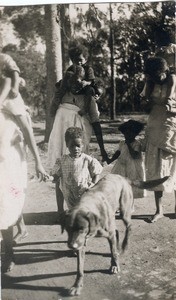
<point>75,114</point>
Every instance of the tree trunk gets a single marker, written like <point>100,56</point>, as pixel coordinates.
<point>66,36</point>
<point>113,81</point>
<point>53,59</point>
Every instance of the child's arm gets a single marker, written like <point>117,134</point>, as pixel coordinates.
<point>56,171</point>
<point>88,78</point>
<point>95,169</point>
<point>114,157</point>
<point>134,154</point>
<point>95,179</point>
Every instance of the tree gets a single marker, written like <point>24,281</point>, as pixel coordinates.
<point>113,81</point>
<point>53,59</point>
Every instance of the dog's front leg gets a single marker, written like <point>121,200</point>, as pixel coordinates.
<point>115,266</point>
<point>78,285</point>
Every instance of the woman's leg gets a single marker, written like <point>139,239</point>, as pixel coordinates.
<point>8,245</point>
<point>159,208</point>
<point>175,202</point>
<point>22,231</point>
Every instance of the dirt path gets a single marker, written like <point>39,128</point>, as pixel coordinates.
<point>45,269</point>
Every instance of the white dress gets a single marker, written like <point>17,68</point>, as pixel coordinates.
<point>158,163</point>
<point>13,167</point>
<point>67,116</point>
<point>76,176</point>
<point>133,169</point>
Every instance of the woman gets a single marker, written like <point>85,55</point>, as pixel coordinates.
<point>67,116</point>
<point>160,161</point>
<point>15,133</point>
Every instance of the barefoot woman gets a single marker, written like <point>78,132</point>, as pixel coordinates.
<point>161,161</point>
<point>15,133</point>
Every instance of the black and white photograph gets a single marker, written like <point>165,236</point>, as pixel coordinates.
<point>87,150</point>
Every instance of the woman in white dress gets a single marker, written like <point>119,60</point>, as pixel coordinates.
<point>15,133</point>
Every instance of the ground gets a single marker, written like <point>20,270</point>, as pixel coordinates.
<point>45,269</point>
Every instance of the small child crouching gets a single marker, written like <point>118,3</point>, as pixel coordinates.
<point>129,159</point>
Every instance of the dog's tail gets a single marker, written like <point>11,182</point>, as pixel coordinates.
<point>149,183</point>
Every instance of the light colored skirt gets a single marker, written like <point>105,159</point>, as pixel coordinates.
<point>66,116</point>
<point>159,165</point>
<point>13,174</point>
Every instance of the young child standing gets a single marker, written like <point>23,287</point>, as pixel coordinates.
<point>77,171</point>
<point>83,85</point>
<point>129,161</point>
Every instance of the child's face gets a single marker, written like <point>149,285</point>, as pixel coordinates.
<point>129,136</point>
<point>79,60</point>
<point>75,147</point>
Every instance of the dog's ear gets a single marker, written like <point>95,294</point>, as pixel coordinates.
<point>63,220</point>
<point>93,222</point>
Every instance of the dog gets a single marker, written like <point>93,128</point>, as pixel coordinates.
<point>95,216</point>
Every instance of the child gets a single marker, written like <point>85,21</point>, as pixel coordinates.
<point>85,84</point>
<point>9,75</point>
<point>129,161</point>
<point>77,171</point>
<point>157,70</point>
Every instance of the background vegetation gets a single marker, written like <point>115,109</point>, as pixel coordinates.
<point>118,33</point>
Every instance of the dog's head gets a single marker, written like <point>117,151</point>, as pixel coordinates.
<point>79,225</point>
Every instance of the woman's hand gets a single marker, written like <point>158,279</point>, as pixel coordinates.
<point>41,174</point>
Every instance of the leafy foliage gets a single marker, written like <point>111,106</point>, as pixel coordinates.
<point>133,25</point>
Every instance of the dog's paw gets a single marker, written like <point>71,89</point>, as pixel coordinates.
<point>75,291</point>
<point>114,269</point>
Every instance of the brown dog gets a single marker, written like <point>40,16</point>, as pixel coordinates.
<point>95,216</point>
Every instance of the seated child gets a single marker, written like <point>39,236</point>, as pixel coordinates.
<point>76,171</point>
<point>9,76</point>
<point>129,160</point>
<point>83,85</point>
<point>71,81</point>
<point>157,69</point>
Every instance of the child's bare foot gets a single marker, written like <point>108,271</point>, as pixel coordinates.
<point>19,236</point>
<point>156,217</point>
